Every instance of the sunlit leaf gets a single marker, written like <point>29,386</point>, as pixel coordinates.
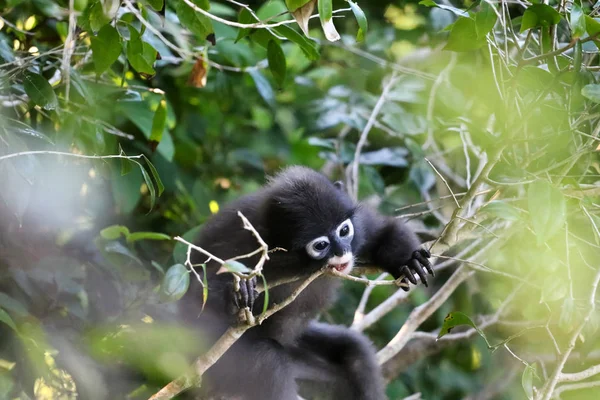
<point>361,19</point>
<point>539,15</point>
<point>527,380</point>
<point>463,36</point>
<point>547,209</point>
<point>502,209</point>
<point>175,283</point>
<point>567,314</point>
<point>233,266</point>
<point>554,288</point>
<point>277,63</point>
<point>577,21</point>
<point>106,48</point>
<point>134,237</point>
<point>39,91</point>
<point>156,4</point>
<point>114,232</point>
<point>141,55</point>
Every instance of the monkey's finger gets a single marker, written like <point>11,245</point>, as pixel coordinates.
<point>244,294</point>
<point>414,265</point>
<point>425,253</point>
<point>404,287</point>
<point>425,262</point>
<point>408,275</point>
<point>251,293</point>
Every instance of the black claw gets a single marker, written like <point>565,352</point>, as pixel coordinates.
<point>421,256</point>
<point>414,264</point>
<point>408,274</point>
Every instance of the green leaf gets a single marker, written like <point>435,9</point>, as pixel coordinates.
<point>150,185</point>
<point>325,15</point>
<point>134,237</point>
<point>4,317</point>
<point>20,128</point>
<point>263,86</point>
<point>106,48</point>
<point>154,172</point>
<point>141,55</point>
<point>277,63</point>
<point>97,18</point>
<point>485,20</point>
<point>308,46</point>
<point>554,288</point>
<point>547,209</point>
<point>501,209</point>
<point>457,318</point>
<point>114,232</point>
<point>591,92</point>
<point>233,266</point>
<point>39,91</point>
<point>456,11</point>
<point>539,15</point>
<point>527,380</point>
<point>592,26</point>
<point>245,17</point>
<point>175,283</point>
<point>567,315</point>
<point>159,122</point>
<point>577,21</point>
<point>463,36</point>
<point>156,4</point>
<point>361,19</point>
<point>325,10</point>
<point>293,5</point>
<point>199,24</point>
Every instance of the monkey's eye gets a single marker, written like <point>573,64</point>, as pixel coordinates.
<point>320,246</point>
<point>345,229</point>
<point>317,247</point>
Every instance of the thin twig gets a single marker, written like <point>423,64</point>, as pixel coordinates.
<point>444,180</point>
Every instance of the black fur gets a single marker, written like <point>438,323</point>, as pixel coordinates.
<point>295,207</point>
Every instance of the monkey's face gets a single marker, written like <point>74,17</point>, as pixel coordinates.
<point>335,247</point>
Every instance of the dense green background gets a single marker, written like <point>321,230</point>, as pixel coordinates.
<point>509,86</point>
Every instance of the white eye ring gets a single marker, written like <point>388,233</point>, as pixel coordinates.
<point>346,223</point>
<point>314,252</point>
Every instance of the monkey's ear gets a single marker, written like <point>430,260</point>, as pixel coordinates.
<point>339,185</point>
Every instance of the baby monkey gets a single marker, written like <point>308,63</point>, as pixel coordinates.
<point>318,225</point>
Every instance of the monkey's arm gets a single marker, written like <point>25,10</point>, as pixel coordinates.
<point>391,245</point>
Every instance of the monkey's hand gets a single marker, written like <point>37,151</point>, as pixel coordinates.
<point>245,296</point>
<point>418,261</point>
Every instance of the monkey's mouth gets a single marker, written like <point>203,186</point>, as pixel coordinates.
<point>341,264</point>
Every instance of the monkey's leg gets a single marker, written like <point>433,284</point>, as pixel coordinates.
<point>253,369</point>
<point>340,361</point>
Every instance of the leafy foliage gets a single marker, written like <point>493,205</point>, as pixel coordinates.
<point>132,122</point>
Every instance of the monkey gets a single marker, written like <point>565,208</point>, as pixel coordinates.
<point>312,223</point>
